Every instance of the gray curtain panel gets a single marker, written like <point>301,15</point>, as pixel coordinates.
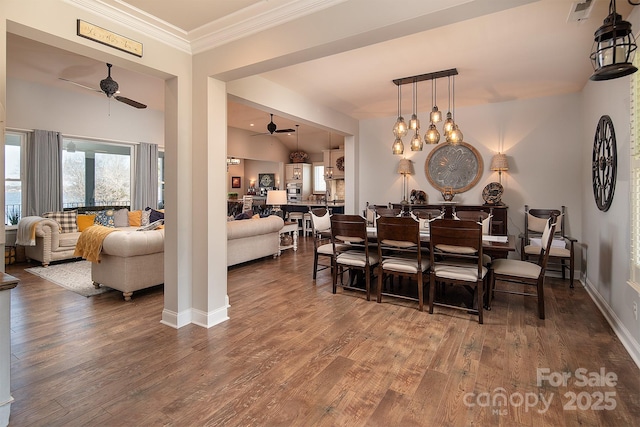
<point>43,156</point>
<point>145,192</point>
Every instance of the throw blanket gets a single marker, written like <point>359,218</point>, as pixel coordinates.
<point>90,241</point>
<point>26,235</point>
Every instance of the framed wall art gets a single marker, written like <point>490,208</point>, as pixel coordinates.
<point>453,168</point>
<point>236,182</point>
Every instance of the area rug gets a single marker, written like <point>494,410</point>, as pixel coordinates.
<point>74,276</point>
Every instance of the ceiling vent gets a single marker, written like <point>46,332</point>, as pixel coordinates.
<point>580,10</point>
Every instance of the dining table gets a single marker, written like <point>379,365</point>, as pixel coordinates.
<point>496,246</point>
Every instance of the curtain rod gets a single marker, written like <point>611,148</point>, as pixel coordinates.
<point>90,138</point>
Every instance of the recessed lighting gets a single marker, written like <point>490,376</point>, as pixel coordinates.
<point>250,124</point>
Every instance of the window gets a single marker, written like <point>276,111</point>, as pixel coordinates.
<point>319,184</point>
<point>95,173</point>
<point>13,176</point>
<point>635,179</point>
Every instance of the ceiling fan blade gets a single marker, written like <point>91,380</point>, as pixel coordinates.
<point>130,102</point>
<point>285,130</point>
<point>79,84</point>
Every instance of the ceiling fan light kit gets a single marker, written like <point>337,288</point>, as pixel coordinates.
<point>109,87</point>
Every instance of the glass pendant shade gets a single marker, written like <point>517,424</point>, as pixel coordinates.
<point>436,115</point>
<point>455,136</point>
<point>432,136</point>
<point>414,123</point>
<point>398,146</point>
<point>448,125</point>
<point>614,47</point>
<point>416,142</point>
<point>400,128</point>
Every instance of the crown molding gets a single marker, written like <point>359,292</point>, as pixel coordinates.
<point>252,20</point>
<point>245,22</point>
<point>137,20</point>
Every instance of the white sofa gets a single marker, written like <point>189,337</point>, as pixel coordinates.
<point>250,239</point>
<point>130,260</point>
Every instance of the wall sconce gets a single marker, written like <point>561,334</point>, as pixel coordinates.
<point>499,164</point>
<point>613,47</point>
<point>405,167</point>
<point>232,161</point>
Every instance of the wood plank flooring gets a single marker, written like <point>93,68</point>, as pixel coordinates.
<point>294,354</point>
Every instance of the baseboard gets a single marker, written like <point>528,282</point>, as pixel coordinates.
<point>630,344</point>
<point>5,412</point>
<point>211,318</point>
<point>175,320</point>
<point>197,317</point>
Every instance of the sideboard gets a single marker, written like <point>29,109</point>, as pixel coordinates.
<point>498,223</point>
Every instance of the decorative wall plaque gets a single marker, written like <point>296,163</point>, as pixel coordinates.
<point>455,168</point>
<point>106,37</point>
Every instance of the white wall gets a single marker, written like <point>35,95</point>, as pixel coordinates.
<point>541,137</point>
<point>607,234</point>
<point>35,106</point>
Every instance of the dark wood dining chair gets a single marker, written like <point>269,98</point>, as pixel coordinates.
<point>388,212</point>
<point>562,256</point>
<point>482,217</point>
<point>400,255</point>
<point>351,250</point>
<point>525,272</point>
<point>456,258</point>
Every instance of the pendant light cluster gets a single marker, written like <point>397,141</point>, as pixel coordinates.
<point>450,129</point>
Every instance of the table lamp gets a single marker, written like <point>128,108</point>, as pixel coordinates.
<point>276,198</point>
<point>405,167</point>
<point>499,163</point>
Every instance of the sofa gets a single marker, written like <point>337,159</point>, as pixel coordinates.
<point>54,238</point>
<point>130,260</point>
<point>254,238</point>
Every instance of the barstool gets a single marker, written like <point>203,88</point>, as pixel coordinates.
<point>299,218</point>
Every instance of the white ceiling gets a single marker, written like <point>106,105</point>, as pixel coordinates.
<point>530,50</point>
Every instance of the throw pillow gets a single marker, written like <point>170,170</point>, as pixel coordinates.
<point>85,221</point>
<point>155,215</point>
<point>68,220</point>
<point>144,218</point>
<point>121,218</point>
<point>135,218</point>
<point>105,218</point>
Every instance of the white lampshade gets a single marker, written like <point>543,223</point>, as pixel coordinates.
<point>276,197</point>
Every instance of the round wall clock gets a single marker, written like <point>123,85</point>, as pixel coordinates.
<point>453,167</point>
<point>604,163</point>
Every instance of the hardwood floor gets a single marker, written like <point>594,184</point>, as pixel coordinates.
<point>294,354</point>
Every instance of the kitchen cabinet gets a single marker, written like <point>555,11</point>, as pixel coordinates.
<point>334,158</point>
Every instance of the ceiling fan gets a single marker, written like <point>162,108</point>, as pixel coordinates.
<point>272,128</point>
<point>109,87</point>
